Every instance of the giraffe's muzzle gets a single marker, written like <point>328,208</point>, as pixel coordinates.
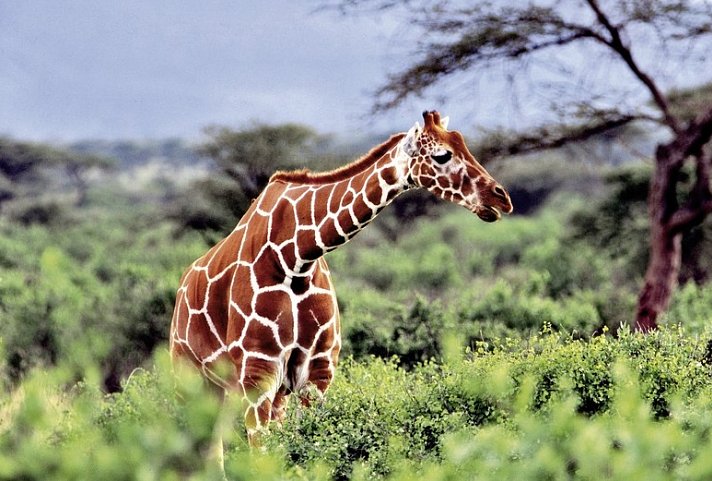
<point>493,202</point>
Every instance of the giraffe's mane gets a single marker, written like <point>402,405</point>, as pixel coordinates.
<point>305,176</point>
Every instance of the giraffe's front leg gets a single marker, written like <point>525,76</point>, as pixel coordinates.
<point>279,404</point>
<point>321,373</point>
<point>322,364</point>
<point>260,387</point>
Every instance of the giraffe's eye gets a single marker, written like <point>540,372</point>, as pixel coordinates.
<point>441,156</point>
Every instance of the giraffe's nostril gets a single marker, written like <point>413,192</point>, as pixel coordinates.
<point>499,192</point>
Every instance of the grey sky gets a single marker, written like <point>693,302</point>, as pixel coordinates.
<point>78,69</point>
<point>116,69</point>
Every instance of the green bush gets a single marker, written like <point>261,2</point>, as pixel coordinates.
<point>521,409</point>
<point>377,326</point>
<point>690,307</point>
<point>377,416</point>
<point>99,292</point>
<point>502,305</point>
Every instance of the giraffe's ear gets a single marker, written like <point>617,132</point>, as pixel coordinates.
<point>410,142</point>
<point>444,122</point>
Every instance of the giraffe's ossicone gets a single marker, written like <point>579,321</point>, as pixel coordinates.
<point>257,314</point>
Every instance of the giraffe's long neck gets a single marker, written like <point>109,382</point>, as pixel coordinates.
<point>327,215</point>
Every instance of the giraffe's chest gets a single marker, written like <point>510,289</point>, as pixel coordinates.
<point>275,316</point>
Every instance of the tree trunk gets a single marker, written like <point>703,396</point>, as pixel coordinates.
<point>669,220</point>
<point>665,244</point>
<point>660,277</point>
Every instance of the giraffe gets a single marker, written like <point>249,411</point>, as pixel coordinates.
<point>257,314</point>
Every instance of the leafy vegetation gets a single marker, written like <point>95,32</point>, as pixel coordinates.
<point>468,347</point>
<point>551,407</point>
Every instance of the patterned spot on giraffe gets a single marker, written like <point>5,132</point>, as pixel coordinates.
<point>347,223</point>
<point>309,322</point>
<point>235,325</point>
<point>296,193</point>
<point>271,197</point>
<point>375,193</point>
<point>300,285</point>
<point>304,208</point>
<point>325,341</point>
<point>277,306</point>
<point>442,182</point>
<point>267,268</point>
<point>392,194</point>
<point>261,338</point>
<point>321,371</point>
<point>288,253</point>
<point>285,328</point>
<point>218,303</point>
<point>196,288</point>
<point>199,336</point>
<point>284,223</point>
<point>307,246</point>
<point>347,199</point>
<point>321,198</point>
<point>456,179</point>
<point>329,233</point>
<point>467,187</point>
<point>255,233</point>
<point>427,169</point>
<point>242,291</point>
<point>390,176</point>
<point>339,192</point>
<point>360,208</point>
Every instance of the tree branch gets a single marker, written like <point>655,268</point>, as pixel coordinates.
<point>686,217</point>
<point>699,132</point>
<point>503,144</point>
<point>511,33</point>
<point>699,203</point>
<point>617,44</point>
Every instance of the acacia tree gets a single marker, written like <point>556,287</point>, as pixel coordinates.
<point>622,48</point>
<point>243,162</point>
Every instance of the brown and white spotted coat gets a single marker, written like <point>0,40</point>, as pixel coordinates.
<point>257,314</point>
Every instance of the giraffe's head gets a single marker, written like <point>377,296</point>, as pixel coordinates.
<point>439,161</point>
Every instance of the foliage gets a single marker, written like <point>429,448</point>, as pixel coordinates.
<point>378,417</point>
<point>90,286</point>
<point>638,404</point>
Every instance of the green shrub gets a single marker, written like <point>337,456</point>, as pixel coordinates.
<point>515,409</point>
<point>523,312</point>
<point>99,292</point>
<point>568,268</point>
<point>377,326</point>
<point>690,307</point>
<point>377,416</point>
